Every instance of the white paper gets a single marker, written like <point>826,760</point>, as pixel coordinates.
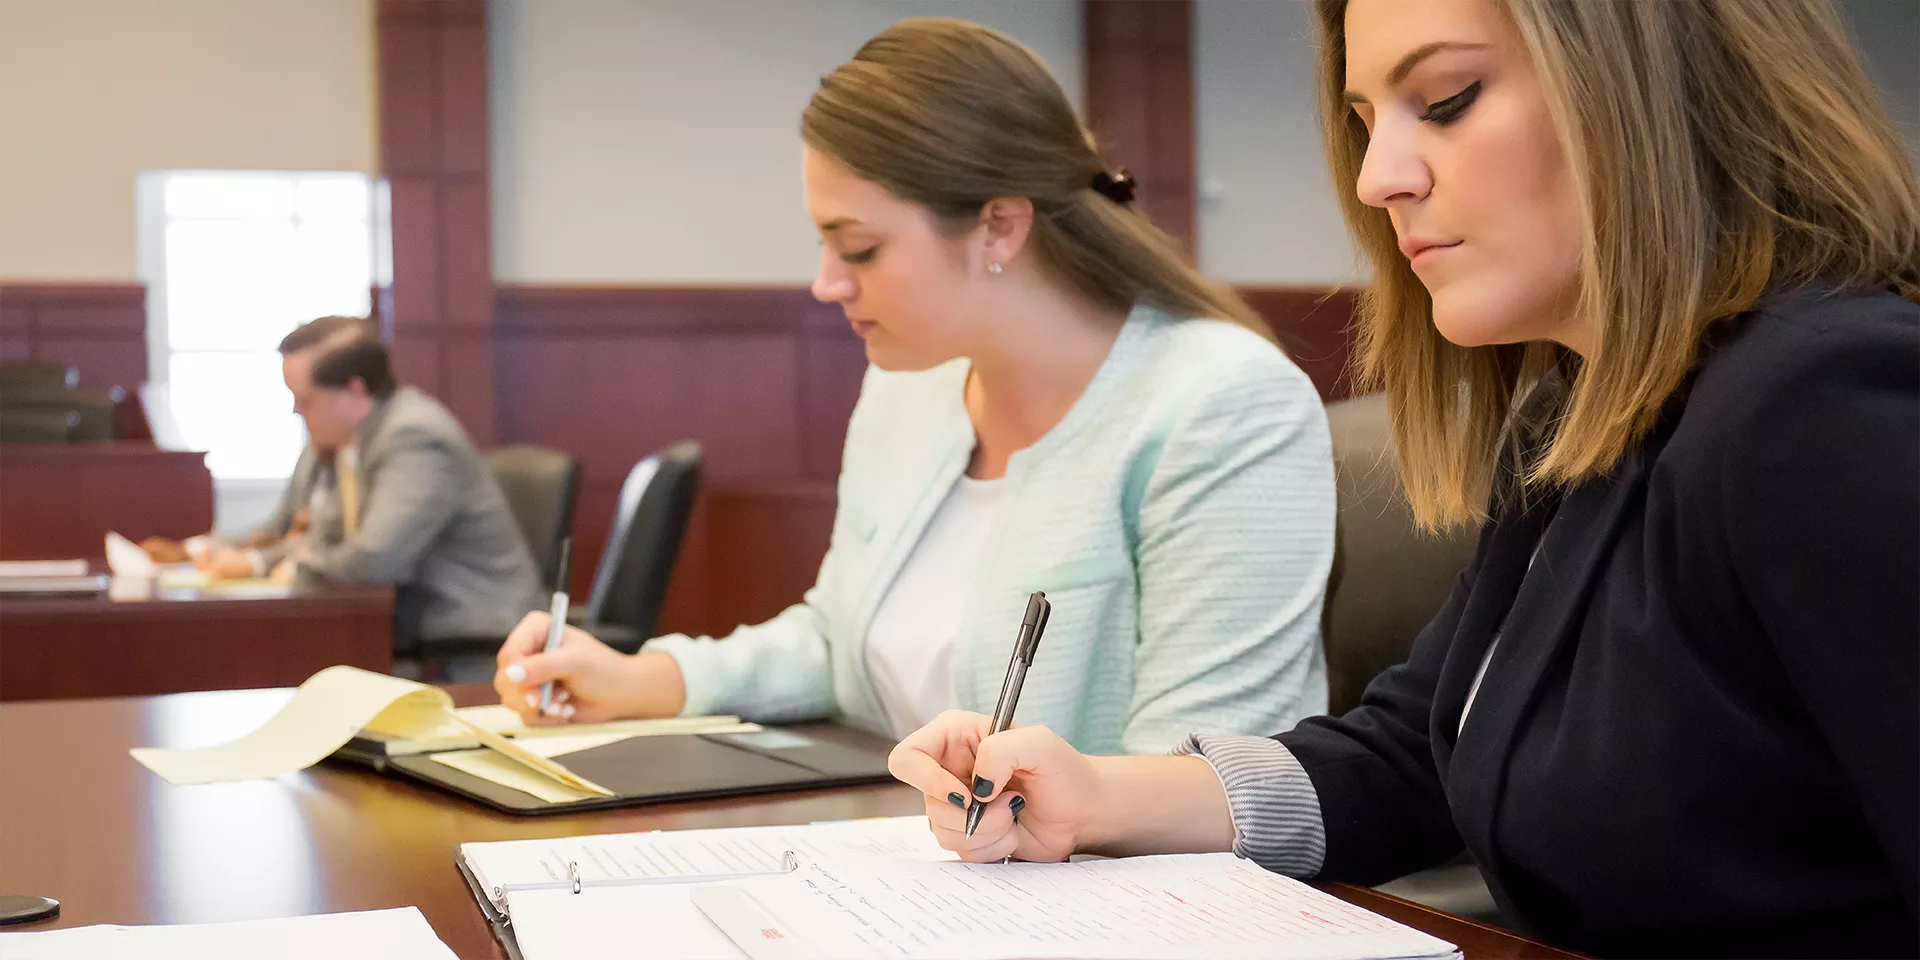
<point>325,712</point>
<point>656,922</point>
<point>398,934</point>
<point>685,855</point>
<point>43,568</point>
<point>1197,907</point>
<point>126,559</point>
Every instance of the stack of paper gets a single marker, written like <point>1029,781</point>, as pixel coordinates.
<point>48,576</point>
<point>400,934</point>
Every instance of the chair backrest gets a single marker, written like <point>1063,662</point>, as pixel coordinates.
<point>38,373</point>
<point>37,425</point>
<point>1388,577</point>
<point>541,485</point>
<point>648,524</point>
<point>89,410</point>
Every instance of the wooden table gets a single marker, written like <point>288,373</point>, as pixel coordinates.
<point>81,822</point>
<point>177,641</point>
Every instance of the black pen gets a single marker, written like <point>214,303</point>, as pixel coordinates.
<point>1031,627</point>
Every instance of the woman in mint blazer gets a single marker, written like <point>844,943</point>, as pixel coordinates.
<point>1056,401</point>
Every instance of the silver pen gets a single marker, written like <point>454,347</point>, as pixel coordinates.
<point>1032,625</point>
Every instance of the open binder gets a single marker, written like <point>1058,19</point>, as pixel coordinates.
<point>884,889</point>
<point>639,883</point>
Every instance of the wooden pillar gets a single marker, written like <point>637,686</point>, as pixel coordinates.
<point>1139,97</point>
<point>432,64</point>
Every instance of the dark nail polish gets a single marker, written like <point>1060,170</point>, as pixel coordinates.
<point>957,800</point>
<point>1016,805</point>
<point>982,787</point>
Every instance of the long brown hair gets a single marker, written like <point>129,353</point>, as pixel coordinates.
<point>950,115</point>
<point>1721,150</point>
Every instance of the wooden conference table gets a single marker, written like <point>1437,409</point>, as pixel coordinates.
<point>81,822</point>
<point>168,641</point>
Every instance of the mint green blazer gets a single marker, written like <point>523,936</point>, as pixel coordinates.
<point>1180,519</point>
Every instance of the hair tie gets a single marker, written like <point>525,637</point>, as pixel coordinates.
<point>1117,186</point>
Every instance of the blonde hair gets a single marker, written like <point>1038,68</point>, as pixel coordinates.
<point>1721,150</point>
<point>950,115</point>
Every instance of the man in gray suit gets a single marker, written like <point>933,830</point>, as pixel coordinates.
<point>389,490</point>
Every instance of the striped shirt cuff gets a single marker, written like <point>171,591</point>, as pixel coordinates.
<point>1276,813</point>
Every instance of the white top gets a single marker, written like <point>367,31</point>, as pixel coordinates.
<point>910,644</point>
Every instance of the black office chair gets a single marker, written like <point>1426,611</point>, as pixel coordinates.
<point>90,410</point>
<point>542,486</point>
<point>648,524</point>
<point>37,425</point>
<point>37,373</point>
<point>1388,580</point>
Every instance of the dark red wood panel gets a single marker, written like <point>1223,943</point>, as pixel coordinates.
<point>57,648</point>
<point>765,378</point>
<point>432,91</point>
<point>100,328</point>
<point>59,501</point>
<point>1139,101</point>
<point>1314,326</point>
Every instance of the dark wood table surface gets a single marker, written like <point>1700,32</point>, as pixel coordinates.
<point>83,823</point>
<point>100,645</point>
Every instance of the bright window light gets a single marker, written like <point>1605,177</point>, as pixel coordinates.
<point>234,260</point>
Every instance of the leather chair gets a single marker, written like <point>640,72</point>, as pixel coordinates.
<point>542,486</point>
<point>38,373</point>
<point>90,410</point>
<point>21,425</point>
<point>1388,577</point>
<point>1388,580</point>
<point>649,522</point>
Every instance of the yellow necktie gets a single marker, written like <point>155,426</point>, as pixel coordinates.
<point>347,469</point>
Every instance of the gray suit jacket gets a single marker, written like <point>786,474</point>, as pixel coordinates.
<point>432,522</point>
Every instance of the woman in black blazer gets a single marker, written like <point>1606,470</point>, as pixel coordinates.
<point>1647,286</point>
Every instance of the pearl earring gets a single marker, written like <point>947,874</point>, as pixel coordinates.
<point>993,268</point>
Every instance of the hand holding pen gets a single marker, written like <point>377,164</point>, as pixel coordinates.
<point>1035,793</point>
<point>1032,625</point>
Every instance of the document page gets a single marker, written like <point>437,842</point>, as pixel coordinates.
<point>657,922</point>
<point>325,712</point>
<point>399,934</point>
<point>683,855</point>
<point>1199,907</point>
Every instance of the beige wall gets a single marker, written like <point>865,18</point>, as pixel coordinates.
<point>92,92</point>
<point>1267,210</point>
<point>657,141</point>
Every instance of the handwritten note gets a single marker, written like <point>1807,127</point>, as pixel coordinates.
<point>1205,907</point>
<point>686,855</point>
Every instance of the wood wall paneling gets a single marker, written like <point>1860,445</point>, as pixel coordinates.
<point>101,328</point>
<point>1314,326</point>
<point>434,153</point>
<point>59,501</point>
<point>1139,101</point>
<point>763,377</point>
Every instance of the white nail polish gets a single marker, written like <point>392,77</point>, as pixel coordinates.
<point>567,711</point>
<point>533,699</point>
<point>517,673</point>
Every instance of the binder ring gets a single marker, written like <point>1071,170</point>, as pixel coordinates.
<point>573,874</point>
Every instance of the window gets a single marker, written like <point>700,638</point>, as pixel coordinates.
<point>233,260</point>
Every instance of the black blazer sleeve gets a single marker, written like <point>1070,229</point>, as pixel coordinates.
<point>1381,797</point>
<point>1824,534</point>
